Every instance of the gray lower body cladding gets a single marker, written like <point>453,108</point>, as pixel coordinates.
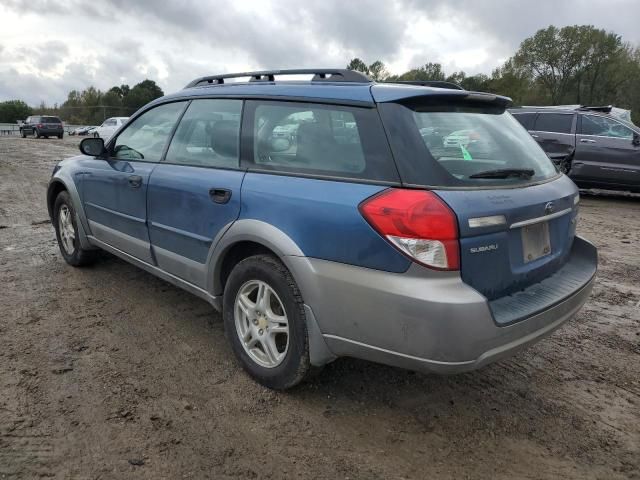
<point>421,319</point>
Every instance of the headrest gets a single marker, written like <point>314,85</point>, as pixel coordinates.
<point>225,137</point>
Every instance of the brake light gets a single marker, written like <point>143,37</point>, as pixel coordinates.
<point>418,223</point>
<point>39,125</point>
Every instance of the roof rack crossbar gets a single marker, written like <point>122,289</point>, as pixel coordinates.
<point>319,75</point>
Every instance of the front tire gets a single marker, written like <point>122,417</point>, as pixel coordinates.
<point>265,322</point>
<point>64,222</point>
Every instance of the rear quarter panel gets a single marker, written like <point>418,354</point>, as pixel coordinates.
<point>321,217</point>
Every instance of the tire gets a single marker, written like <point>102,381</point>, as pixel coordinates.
<point>46,136</point>
<point>23,133</point>
<point>70,249</point>
<point>36,133</point>
<point>95,135</point>
<point>60,136</point>
<point>289,364</point>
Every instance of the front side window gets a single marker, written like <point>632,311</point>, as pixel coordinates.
<point>554,122</point>
<point>604,127</point>
<point>145,138</point>
<point>321,140</point>
<point>208,134</point>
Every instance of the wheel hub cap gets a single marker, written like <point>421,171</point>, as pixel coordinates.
<point>261,323</point>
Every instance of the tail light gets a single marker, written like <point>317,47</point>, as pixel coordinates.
<point>418,223</point>
<point>39,125</point>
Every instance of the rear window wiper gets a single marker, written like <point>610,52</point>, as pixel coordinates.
<point>505,173</point>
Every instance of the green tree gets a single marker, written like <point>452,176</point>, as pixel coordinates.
<point>141,94</point>
<point>378,71</point>
<point>358,65</point>
<point>13,110</point>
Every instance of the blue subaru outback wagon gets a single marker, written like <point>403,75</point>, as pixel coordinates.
<point>404,224</point>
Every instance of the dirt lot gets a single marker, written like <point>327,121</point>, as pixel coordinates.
<point>108,372</point>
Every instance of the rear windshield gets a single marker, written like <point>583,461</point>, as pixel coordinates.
<point>454,143</point>
<point>50,120</point>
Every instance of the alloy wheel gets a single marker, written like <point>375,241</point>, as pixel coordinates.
<point>261,323</point>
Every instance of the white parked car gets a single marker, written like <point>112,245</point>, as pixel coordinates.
<point>109,126</point>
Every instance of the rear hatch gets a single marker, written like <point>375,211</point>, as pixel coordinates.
<point>513,238</point>
<point>51,123</point>
<point>516,213</point>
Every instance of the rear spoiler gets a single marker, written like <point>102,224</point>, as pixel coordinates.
<point>437,96</point>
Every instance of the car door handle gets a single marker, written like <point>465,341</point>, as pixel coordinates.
<point>220,195</point>
<point>587,140</point>
<point>135,181</point>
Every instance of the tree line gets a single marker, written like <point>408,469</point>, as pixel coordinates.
<point>577,64</point>
<point>87,107</point>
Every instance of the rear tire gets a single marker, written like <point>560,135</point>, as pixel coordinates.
<point>65,224</point>
<point>256,330</point>
<point>60,136</point>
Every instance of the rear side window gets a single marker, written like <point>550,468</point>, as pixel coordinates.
<point>208,135</point>
<point>144,139</point>
<point>316,139</point>
<point>525,119</point>
<point>554,122</point>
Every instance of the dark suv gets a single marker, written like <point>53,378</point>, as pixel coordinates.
<point>42,126</point>
<point>594,148</point>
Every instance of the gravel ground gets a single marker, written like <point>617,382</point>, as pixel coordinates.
<point>107,372</point>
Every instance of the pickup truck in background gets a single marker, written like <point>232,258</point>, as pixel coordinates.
<point>592,146</point>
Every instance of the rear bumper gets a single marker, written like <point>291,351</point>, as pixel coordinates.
<point>424,320</point>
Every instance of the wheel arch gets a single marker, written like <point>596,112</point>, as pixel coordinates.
<point>242,239</point>
<point>58,184</point>
<point>55,187</point>
<point>249,237</point>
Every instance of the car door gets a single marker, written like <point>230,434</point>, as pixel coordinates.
<point>114,189</point>
<point>606,153</point>
<point>555,132</point>
<point>194,194</point>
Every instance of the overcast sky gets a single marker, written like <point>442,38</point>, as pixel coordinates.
<point>49,47</point>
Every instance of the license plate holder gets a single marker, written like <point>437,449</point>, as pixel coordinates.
<point>535,241</point>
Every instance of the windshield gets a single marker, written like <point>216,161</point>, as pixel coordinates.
<point>460,143</point>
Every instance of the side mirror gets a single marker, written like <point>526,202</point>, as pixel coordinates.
<point>93,147</point>
<point>636,139</point>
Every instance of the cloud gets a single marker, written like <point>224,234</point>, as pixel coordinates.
<point>82,43</point>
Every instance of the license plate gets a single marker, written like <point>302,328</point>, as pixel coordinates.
<point>535,241</point>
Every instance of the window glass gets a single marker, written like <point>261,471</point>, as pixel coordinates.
<point>604,127</point>
<point>554,122</point>
<point>525,119</point>
<point>50,120</point>
<point>321,139</point>
<point>145,138</point>
<point>470,140</point>
<point>208,134</point>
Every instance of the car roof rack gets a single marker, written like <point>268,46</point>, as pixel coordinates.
<point>319,75</point>
<point>429,83</point>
